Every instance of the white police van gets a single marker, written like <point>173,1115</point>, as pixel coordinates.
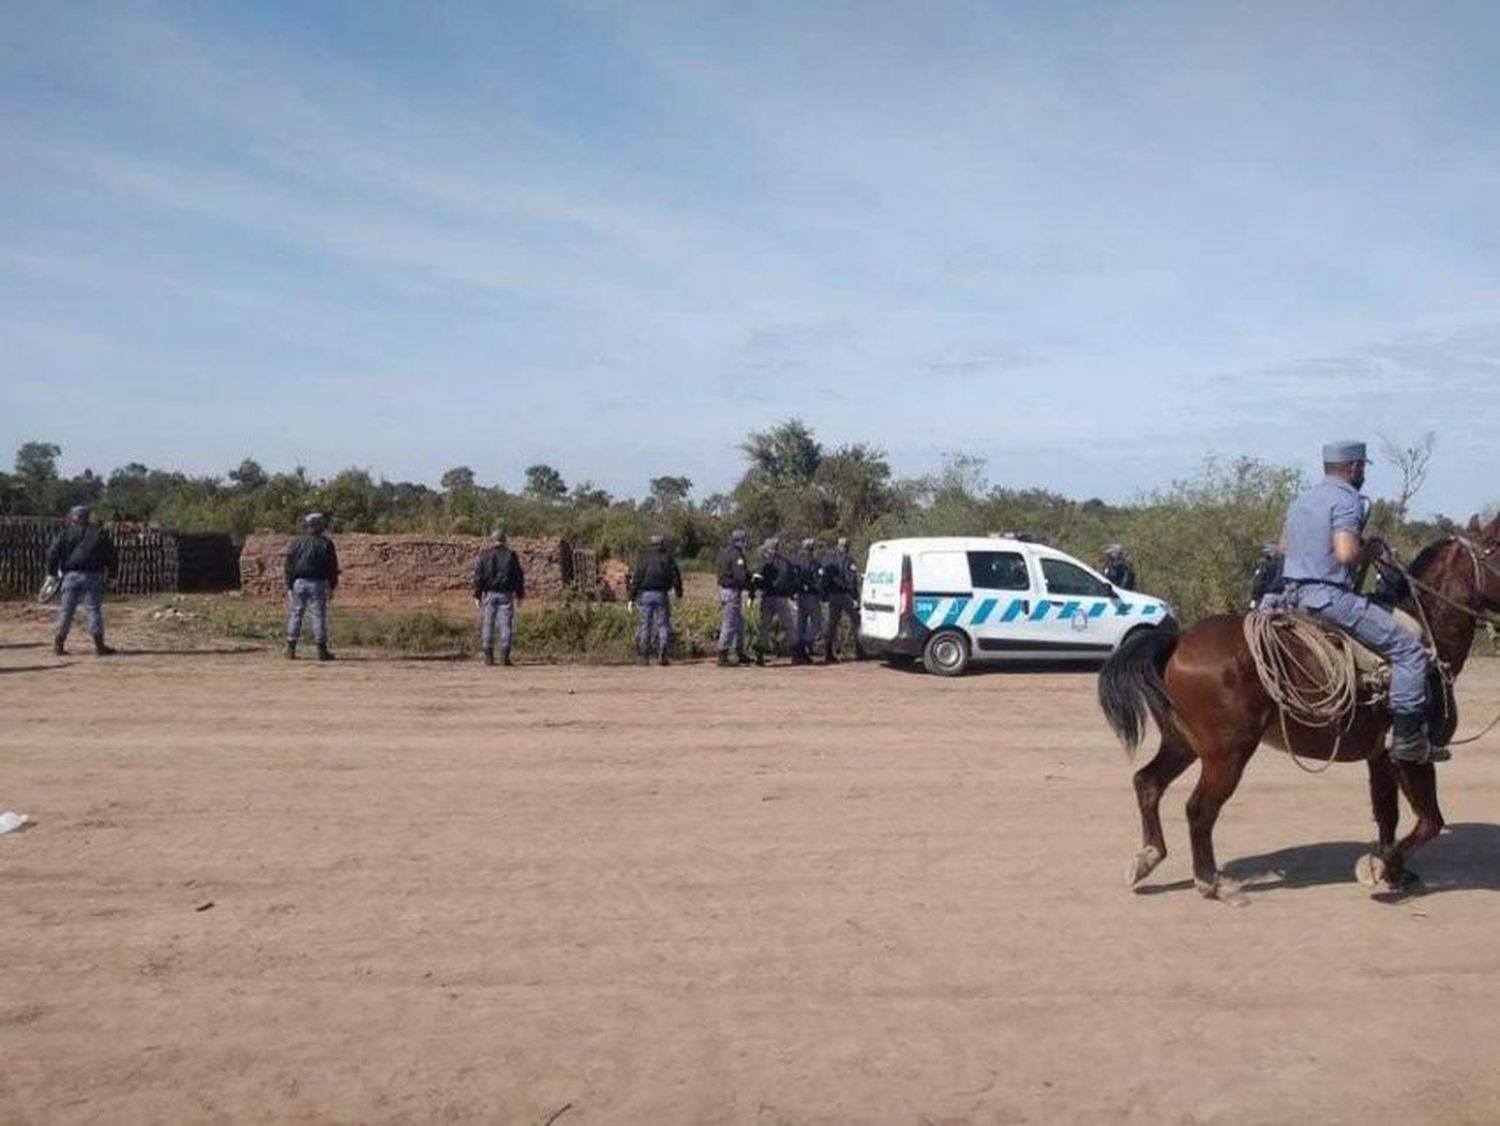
<point>950,600</point>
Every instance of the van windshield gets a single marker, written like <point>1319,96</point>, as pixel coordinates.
<point>998,570</point>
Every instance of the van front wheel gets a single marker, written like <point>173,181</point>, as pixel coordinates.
<point>946,653</point>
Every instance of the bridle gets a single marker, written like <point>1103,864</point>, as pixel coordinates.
<point>1482,558</point>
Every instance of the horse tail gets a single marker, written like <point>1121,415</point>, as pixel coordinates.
<point>1131,685</point>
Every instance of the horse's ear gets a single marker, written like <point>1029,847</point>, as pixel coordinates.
<point>1474,527</point>
<point>1491,533</point>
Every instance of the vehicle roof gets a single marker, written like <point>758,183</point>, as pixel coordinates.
<point>963,543</point>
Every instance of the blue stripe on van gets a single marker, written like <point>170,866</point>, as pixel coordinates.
<point>955,611</point>
<point>1014,610</point>
<point>1069,610</point>
<point>982,615</point>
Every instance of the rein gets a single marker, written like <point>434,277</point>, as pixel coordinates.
<point>1482,563</point>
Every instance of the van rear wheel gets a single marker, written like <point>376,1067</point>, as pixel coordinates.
<point>946,653</point>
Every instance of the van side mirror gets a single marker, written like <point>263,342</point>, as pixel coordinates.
<point>1111,592</point>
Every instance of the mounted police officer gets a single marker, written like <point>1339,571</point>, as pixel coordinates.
<point>841,589</point>
<point>81,558</point>
<point>312,574</point>
<point>734,581</point>
<point>1324,545</point>
<point>809,600</point>
<point>1117,568</point>
<point>499,587</point>
<point>656,573</point>
<point>1267,577</point>
<point>776,581</point>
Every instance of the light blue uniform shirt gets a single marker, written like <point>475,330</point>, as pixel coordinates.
<point>1332,505</point>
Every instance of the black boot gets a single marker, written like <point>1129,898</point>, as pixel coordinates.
<point>58,649</point>
<point>829,656</point>
<point>101,649</point>
<point>723,661</point>
<point>760,658</point>
<point>505,658</point>
<point>291,650</point>
<point>1409,739</point>
<point>743,659</point>
<point>323,653</point>
<point>489,655</point>
<point>665,660</point>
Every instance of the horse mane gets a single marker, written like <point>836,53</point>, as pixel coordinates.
<point>1425,557</point>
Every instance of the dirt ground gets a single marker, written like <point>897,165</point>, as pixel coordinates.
<point>426,891</point>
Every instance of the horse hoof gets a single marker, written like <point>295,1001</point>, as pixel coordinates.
<point>1225,891</point>
<point>1370,870</point>
<point>1144,864</point>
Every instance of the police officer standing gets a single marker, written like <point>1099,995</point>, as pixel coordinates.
<point>1325,546</point>
<point>656,573</point>
<point>499,587</point>
<point>1117,568</point>
<point>841,588</point>
<point>734,581</point>
<point>1267,577</point>
<point>776,581</point>
<point>809,600</point>
<point>81,557</point>
<point>312,574</point>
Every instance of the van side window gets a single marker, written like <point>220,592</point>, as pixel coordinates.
<point>998,570</point>
<point>1065,578</point>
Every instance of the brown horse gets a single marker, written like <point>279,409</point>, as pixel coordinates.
<point>1202,690</point>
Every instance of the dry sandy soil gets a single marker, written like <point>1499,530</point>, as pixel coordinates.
<point>416,891</point>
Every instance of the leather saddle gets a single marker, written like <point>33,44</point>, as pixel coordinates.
<point>1372,671</point>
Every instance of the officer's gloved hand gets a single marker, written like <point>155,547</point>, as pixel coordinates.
<point>1374,550</point>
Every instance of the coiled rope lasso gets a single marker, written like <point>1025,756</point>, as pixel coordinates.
<point>1310,676</point>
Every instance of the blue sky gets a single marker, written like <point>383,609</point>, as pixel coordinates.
<point>1090,243</point>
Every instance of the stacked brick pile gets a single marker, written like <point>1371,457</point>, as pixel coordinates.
<point>408,569</point>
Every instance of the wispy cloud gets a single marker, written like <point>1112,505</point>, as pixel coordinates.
<point>1093,245</point>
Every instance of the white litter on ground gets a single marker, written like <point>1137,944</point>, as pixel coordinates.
<point>11,821</point>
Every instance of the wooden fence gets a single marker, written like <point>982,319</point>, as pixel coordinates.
<point>148,557</point>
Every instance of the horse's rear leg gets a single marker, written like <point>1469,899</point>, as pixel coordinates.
<point>1217,780</point>
<point>1419,784</point>
<point>1151,781</point>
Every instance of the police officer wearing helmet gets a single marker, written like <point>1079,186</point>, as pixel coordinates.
<point>1325,547</point>
<point>776,581</point>
<point>81,559</point>
<point>1267,577</point>
<point>809,600</point>
<point>312,574</point>
<point>499,587</point>
<point>1118,569</point>
<point>655,575</point>
<point>841,589</point>
<point>734,582</point>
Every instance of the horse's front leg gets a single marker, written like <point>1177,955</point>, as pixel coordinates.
<point>1419,783</point>
<point>1384,792</point>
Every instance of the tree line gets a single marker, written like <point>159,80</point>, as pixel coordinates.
<point>1194,542</point>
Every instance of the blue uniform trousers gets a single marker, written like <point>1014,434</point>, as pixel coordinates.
<point>309,594</point>
<point>85,586</point>
<point>809,618</point>
<point>732,620</point>
<point>497,609</point>
<point>653,616</point>
<point>1377,628</point>
<point>775,608</point>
